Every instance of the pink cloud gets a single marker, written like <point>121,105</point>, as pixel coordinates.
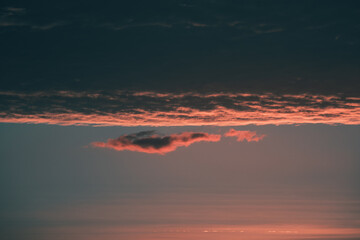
<point>244,135</point>
<point>148,142</point>
<point>177,109</point>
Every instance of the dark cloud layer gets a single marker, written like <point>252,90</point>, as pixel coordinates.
<point>119,108</point>
<point>166,63</point>
<point>149,142</point>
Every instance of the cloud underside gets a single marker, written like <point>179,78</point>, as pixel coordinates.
<point>176,109</point>
<point>148,142</point>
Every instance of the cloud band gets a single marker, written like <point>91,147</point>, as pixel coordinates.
<point>176,109</point>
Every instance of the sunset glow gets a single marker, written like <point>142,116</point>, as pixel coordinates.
<point>180,120</point>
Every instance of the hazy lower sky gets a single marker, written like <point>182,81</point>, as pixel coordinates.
<point>175,119</point>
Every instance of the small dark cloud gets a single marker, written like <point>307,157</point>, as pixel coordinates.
<point>149,142</point>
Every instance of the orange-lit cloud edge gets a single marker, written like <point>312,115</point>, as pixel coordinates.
<point>244,135</point>
<point>182,109</point>
<point>155,143</point>
<point>148,142</point>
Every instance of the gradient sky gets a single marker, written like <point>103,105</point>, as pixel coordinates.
<point>178,119</point>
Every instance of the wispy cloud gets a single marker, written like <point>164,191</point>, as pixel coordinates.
<point>244,135</point>
<point>17,17</point>
<point>123,108</point>
<point>16,23</point>
<point>10,11</point>
<point>197,24</point>
<point>149,142</point>
<point>118,27</point>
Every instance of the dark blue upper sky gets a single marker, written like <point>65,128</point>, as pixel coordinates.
<point>277,46</point>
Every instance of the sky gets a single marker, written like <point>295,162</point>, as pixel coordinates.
<point>177,119</point>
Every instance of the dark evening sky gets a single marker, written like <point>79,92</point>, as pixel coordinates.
<point>277,46</point>
<point>179,119</point>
